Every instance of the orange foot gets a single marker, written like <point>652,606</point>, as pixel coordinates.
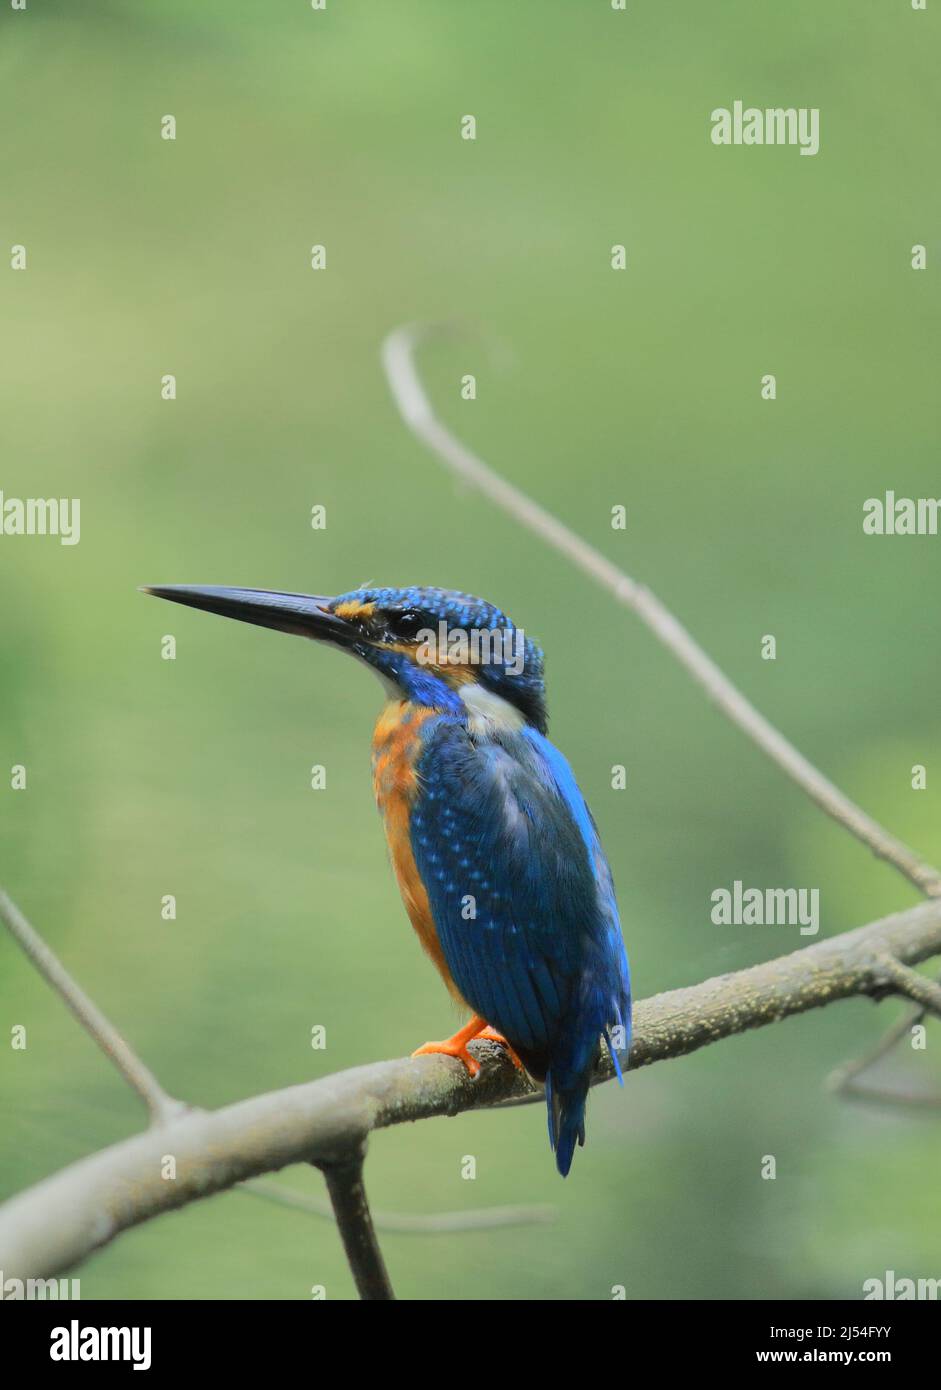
<point>457,1046</point>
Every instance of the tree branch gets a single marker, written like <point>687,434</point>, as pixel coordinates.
<point>351,1209</point>
<point>398,356</point>
<point>52,1226</point>
<point>160,1106</point>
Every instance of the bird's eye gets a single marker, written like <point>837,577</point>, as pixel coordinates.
<point>407,623</point>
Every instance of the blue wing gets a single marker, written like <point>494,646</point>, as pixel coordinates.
<point>521,894</point>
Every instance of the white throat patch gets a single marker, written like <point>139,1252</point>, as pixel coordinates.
<point>487,712</point>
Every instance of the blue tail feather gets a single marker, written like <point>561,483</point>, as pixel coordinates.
<point>566,1111</point>
<point>567,1082</point>
<point>569,1077</point>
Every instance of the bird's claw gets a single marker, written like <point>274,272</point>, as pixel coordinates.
<point>492,1035</point>
<point>457,1046</point>
<point>450,1047</point>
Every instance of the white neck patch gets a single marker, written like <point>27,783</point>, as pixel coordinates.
<point>488,712</point>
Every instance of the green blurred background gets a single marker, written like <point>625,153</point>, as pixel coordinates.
<point>191,777</point>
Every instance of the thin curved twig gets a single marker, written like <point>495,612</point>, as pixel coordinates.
<point>846,1080</point>
<point>434,1223</point>
<point>398,356</point>
<point>161,1107</point>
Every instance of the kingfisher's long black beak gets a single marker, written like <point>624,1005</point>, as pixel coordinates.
<point>305,615</point>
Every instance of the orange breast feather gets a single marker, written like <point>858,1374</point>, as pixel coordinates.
<point>396,745</point>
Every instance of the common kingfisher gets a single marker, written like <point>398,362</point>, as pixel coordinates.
<point>496,854</point>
